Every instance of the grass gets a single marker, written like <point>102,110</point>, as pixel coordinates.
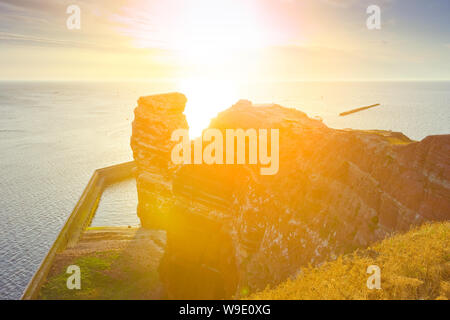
<point>104,276</point>
<point>114,264</point>
<point>414,265</point>
<point>387,135</point>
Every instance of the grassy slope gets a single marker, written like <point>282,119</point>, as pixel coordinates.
<point>414,265</point>
<point>115,264</point>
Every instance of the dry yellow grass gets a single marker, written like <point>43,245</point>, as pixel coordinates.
<point>414,265</point>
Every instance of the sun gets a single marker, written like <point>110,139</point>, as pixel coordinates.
<point>215,43</point>
<point>216,32</point>
<point>206,98</point>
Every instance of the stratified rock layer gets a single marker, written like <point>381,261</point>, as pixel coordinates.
<point>156,117</point>
<point>231,230</point>
<point>336,190</point>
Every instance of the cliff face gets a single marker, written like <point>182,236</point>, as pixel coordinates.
<point>402,259</point>
<point>335,190</point>
<point>155,118</point>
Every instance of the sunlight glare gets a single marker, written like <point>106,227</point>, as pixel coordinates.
<point>206,98</point>
<point>215,32</point>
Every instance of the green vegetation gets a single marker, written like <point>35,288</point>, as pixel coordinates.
<point>106,275</point>
<point>397,141</point>
<point>392,139</point>
<point>414,265</point>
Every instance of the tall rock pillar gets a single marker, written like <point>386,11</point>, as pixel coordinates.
<point>156,117</point>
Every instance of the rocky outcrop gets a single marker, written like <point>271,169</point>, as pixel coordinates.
<point>155,118</point>
<point>336,190</point>
<point>231,230</point>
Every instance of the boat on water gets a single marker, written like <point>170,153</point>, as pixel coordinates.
<point>346,113</point>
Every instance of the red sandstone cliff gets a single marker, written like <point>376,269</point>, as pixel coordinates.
<point>155,118</point>
<point>336,190</point>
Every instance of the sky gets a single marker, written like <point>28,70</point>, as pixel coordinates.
<point>248,40</point>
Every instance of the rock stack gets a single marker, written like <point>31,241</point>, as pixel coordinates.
<point>231,231</point>
<point>156,117</point>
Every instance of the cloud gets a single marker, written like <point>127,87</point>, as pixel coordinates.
<point>340,3</point>
<point>38,23</point>
<point>351,3</point>
<point>6,36</point>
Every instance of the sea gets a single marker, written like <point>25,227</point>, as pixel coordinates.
<point>53,135</point>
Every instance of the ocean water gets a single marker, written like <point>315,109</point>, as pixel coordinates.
<point>53,135</point>
<point>117,206</point>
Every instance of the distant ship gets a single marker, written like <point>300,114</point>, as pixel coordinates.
<point>358,110</point>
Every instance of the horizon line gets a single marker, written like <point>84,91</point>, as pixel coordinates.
<point>237,81</point>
